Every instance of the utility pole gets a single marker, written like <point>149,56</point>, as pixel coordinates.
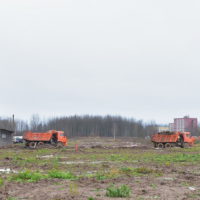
<point>13,125</point>
<point>114,130</point>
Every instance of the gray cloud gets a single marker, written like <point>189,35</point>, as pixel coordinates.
<point>133,58</point>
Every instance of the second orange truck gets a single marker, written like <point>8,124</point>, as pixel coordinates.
<point>180,139</point>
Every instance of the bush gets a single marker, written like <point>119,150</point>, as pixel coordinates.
<point>114,191</point>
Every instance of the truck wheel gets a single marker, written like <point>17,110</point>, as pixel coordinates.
<point>160,146</point>
<point>59,144</point>
<point>168,145</point>
<point>26,144</point>
<point>32,144</point>
<point>40,144</point>
<point>186,145</point>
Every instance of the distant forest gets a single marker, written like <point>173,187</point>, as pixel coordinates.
<point>86,125</point>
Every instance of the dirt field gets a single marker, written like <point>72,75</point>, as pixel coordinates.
<point>47,174</point>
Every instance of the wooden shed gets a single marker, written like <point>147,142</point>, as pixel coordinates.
<point>6,137</point>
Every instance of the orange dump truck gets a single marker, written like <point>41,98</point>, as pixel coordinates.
<point>167,140</point>
<point>52,137</point>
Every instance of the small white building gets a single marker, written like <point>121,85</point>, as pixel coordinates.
<point>6,137</point>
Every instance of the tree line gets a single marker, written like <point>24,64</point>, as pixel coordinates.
<point>83,126</point>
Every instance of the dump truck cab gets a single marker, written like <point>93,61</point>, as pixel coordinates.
<point>186,137</point>
<point>60,137</point>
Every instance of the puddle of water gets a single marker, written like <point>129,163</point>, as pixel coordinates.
<point>94,162</point>
<point>168,179</point>
<point>81,162</point>
<point>7,171</point>
<point>91,172</point>
<point>90,162</point>
<point>133,145</point>
<point>48,156</point>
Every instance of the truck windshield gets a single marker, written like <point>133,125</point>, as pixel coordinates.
<point>188,135</point>
<point>62,134</point>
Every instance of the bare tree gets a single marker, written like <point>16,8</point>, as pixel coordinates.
<point>35,122</point>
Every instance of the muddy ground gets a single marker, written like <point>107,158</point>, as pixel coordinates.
<point>167,178</point>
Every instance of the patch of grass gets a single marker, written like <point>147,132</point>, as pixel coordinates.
<point>97,190</point>
<point>55,162</point>
<point>57,184</point>
<point>89,175</point>
<point>140,171</point>
<point>113,172</point>
<point>185,184</point>
<point>42,151</point>
<point>158,174</point>
<point>90,198</point>
<point>15,158</point>
<point>117,157</point>
<point>29,160</point>
<point>155,197</point>
<point>98,195</point>
<point>92,157</point>
<point>85,174</point>
<point>144,170</point>
<point>73,189</point>
<point>57,174</point>
<point>140,198</point>
<point>10,198</point>
<point>193,196</point>
<point>126,170</point>
<point>114,191</point>
<point>1,182</point>
<point>26,176</point>
<point>174,157</point>
<point>100,176</point>
<point>63,150</point>
<point>152,185</point>
<point>167,163</point>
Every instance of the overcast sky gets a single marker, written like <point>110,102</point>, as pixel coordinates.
<point>135,58</point>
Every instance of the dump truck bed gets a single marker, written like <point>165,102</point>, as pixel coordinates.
<point>164,138</point>
<point>37,136</point>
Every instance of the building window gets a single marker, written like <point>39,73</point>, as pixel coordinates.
<point>4,136</point>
